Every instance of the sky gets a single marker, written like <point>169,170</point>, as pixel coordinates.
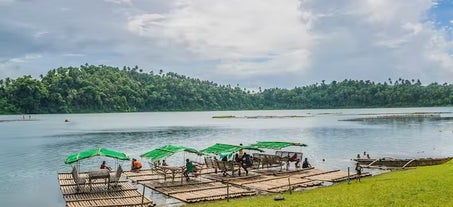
<point>253,43</point>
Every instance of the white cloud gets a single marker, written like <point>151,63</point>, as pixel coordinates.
<point>311,39</point>
<point>235,33</point>
<point>119,1</point>
<point>9,67</point>
<point>73,55</point>
<point>25,58</point>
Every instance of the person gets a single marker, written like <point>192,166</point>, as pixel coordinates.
<point>358,170</point>
<point>241,151</point>
<point>237,158</point>
<point>104,166</point>
<point>368,156</point>
<point>246,162</point>
<point>294,158</point>
<point>190,168</point>
<point>164,163</point>
<point>136,165</point>
<point>358,156</point>
<point>225,158</point>
<point>306,164</point>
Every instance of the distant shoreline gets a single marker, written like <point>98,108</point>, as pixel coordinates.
<point>12,120</point>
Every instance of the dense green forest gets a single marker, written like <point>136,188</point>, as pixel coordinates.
<point>108,89</point>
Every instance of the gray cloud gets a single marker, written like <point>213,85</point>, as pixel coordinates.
<point>254,43</point>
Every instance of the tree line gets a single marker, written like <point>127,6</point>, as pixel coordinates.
<point>90,88</point>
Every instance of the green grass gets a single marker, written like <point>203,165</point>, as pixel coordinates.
<point>424,186</point>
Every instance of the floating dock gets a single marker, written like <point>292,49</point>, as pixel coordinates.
<point>122,193</point>
<point>211,186</point>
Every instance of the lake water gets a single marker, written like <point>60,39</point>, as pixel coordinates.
<point>33,152</point>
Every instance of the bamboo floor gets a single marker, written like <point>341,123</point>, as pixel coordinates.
<point>121,194</point>
<point>211,186</point>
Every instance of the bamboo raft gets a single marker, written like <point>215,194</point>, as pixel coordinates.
<point>401,163</point>
<point>121,194</point>
<point>211,186</point>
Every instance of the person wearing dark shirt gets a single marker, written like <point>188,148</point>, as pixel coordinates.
<point>358,170</point>
<point>306,164</point>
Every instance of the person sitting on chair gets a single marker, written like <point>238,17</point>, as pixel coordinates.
<point>136,165</point>
<point>104,166</point>
<point>306,164</point>
<point>190,168</point>
<point>294,158</point>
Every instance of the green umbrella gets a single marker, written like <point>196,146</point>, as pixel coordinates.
<point>226,148</point>
<point>168,150</point>
<point>276,145</point>
<point>95,152</point>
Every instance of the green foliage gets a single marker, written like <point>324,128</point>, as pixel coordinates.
<point>108,89</point>
<point>424,186</point>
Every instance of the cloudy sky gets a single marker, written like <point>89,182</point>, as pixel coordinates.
<point>254,43</point>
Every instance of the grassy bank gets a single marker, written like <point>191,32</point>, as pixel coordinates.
<point>424,186</point>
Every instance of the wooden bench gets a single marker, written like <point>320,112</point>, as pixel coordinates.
<point>226,166</point>
<point>211,163</point>
<point>288,157</point>
<point>267,160</point>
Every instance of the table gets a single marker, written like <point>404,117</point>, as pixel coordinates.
<point>173,170</point>
<point>99,174</point>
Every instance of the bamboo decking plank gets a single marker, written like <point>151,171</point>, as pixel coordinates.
<point>329,176</point>
<point>212,194</point>
<point>122,193</point>
<point>208,186</point>
<point>71,189</point>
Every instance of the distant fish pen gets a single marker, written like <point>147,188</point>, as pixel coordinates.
<point>259,117</point>
<point>417,116</point>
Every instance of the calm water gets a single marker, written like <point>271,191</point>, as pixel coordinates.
<point>33,152</point>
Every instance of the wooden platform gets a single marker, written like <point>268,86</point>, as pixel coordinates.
<point>122,194</point>
<point>211,186</point>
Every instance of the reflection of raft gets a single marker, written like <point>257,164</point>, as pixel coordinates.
<point>391,162</point>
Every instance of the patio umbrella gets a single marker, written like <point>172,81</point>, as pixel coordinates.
<point>275,145</point>
<point>168,150</point>
<point>227,148</point>
<point>95,152</point>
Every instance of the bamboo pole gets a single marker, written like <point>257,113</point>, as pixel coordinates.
<point>349,178</point>
<point>228,192</point>
<point>143,195</point>
<point>289,186</point>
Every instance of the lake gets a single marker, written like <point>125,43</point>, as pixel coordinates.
<point>33,151</point>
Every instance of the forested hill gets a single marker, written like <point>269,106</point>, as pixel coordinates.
<point>108,89</point>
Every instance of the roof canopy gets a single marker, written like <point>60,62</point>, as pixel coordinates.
<point>95,152</point>
<point>168,150</point>
<point>225,148</point>
<point>276,145</point>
